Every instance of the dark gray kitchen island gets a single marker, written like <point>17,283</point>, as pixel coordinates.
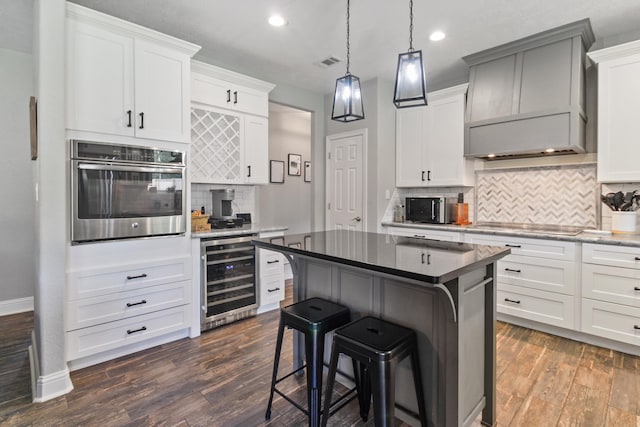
<point>443,290</point>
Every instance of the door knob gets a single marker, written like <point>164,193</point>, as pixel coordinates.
<point>357,219</point>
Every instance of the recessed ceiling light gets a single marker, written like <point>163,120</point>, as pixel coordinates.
<point>436,36</point>
<point>277,21</point>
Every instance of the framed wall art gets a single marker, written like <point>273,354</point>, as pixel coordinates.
<point>307,171</point>
<point>276,171</point>
<point>295,164</point>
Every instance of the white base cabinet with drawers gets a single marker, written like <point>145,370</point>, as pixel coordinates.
<point>117,307</point>
<point>611,292</point>
<point>538,281</point>
<point>270,275</point>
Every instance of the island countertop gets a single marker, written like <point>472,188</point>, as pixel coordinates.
<point>425,260</point>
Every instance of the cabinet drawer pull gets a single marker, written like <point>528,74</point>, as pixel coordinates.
<point>131,304</point>
<point>637,258</point>
<point>515,301</point>
<point>420,236</point>
<point>141,120</point>
<point>636,327</point>
<point>133,331</point>
<point>513,246</point>
<point>636,288</point>
<point>228,95</point>
<point>235,96</point>
<point>140,276</point>
<point>273,262</point>
<point>512,270</point>
<point>273,290</point>
<point>129,116</point>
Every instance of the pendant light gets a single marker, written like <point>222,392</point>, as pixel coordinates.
<point>347,98</point>
<point>411,88</point>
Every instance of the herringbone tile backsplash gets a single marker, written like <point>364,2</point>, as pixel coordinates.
<point>553,195</point>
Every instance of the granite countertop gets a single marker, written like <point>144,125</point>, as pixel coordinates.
<point>594,236</point>
<point>424,260</point>
<point>245,229</point>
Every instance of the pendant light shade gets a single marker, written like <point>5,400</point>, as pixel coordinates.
<point>411,87</point>
<point>347,98</point>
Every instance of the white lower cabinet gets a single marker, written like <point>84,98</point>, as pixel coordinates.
<point>611,292</point>
<point>538,280</point>
<point>111,307</point>
<point>270,275</point>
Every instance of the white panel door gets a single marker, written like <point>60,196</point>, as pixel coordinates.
<point>162,92</point>
<point>256,150</point>
<point>346,172</point>
<point>99,80</point>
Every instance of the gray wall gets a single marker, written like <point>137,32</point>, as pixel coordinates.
<point>288,203</point>
<point>17,216</point>
<point>379,112</point>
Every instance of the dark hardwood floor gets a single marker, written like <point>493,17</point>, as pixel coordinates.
<point>222,379</point>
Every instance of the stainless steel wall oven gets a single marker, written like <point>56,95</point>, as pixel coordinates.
<point>228,280</point>
<point>123,191</point>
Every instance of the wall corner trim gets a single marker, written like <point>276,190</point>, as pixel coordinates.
<point>50,386</point>
<point>17,305</point>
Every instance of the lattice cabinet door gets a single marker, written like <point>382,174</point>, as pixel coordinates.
<point>216,147</point>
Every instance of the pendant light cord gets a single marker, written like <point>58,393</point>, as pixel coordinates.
<point>410,26</point>
<point>348,46</point>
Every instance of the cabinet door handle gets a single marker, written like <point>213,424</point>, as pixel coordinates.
<point>235,96</point>
<point>249,171</point>
<point>228,95</point>
<point>131,304</point>
<point>141,276</point>
<point>141,120</point>
<point>133,331</point>
<point>515,301</point>
<point>513,246</point>
<point>273,262</point>
<point>428,175</point>
<point>129,118</point>
<point>423,258</point>
<point>423,175</point>
<point>512,270</point>
<point>273,290</point>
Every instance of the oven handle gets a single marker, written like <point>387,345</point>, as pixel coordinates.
<point>100,167</point>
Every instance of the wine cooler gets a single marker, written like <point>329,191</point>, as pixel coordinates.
<point>229,282</point>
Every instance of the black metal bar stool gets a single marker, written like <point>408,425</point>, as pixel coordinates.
<point>378,346</point>
<point>313,317</point>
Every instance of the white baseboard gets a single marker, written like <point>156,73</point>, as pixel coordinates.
<point>46,387</point>
<point>18,305</point>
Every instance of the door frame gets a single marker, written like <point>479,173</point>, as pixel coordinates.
<point>329,139</point>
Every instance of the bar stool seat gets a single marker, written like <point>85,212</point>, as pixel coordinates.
<point>378,346</point>
<point>314,318</point>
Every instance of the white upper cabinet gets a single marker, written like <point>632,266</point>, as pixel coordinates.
<point>618,124</point>
<point>123,79</point>
<point>430,142</point>
<point>229,127</point>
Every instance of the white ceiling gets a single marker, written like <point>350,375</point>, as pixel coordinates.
<point>234,33</point>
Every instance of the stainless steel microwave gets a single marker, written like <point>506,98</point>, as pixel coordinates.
<point>124,191</point>
<point>431,210</point>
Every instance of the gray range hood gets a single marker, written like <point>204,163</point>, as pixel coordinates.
<point>526,98</point>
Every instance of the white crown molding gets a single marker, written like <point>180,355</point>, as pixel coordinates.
<point>90,16</point>
<point>615,52</point>
<point>230,76</point>
<point>18,305</point>
<point>448,92</point>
